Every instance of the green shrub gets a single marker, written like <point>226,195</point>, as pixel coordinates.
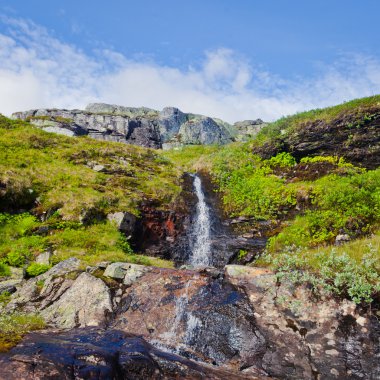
<point>18,258</point>
<point>329,272</point>
<point>283,160</point>
<point>35,269</point>
<point>4,270</point>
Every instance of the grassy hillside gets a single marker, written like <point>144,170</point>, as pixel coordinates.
<point>72,184</point>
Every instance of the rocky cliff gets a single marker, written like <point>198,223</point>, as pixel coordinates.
<point>139,126</point>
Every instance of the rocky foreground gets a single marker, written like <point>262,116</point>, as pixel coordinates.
<point>134,322</point>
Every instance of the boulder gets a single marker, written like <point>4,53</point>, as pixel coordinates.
<point>30,295</point>
<point>124,221</point>
<point>127,272</point>
<point>87,302</point>
<point>44,258</point>
<point>342,238</point>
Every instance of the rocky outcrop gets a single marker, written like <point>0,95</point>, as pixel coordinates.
<point>247,129</point>
<point>65,297</point>
<point>138,126</point>
<point>353,135</point>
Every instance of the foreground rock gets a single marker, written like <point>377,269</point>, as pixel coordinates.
<point>65,297</point>
<point>241,319</point>
<point>138,126</point>
<point>99,354</point>
<point>193,314</point>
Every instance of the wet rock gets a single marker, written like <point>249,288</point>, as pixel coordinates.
<point>98,354</point>
<point>193,314</point>
<point>124,221</point>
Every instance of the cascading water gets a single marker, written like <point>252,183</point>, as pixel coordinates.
<point>200,238</point>
<point>200,256</point>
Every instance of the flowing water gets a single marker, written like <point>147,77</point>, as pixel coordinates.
<point>200,243</point>
<point>200,256</point>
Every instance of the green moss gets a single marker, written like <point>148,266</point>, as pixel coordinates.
<point>13,326</point>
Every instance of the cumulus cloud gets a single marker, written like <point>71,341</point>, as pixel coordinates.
<point>38,70</point>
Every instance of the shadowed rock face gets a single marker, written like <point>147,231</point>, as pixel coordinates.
<point>344,136</point>
<point>98,354</point>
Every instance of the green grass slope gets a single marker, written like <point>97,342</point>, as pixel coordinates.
<point>72,184</point>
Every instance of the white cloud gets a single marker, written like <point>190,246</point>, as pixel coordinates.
<point>37,70</point>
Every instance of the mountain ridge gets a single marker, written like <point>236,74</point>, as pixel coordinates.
<point>140,125</point>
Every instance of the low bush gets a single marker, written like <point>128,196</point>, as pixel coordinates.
<point>35,269</point>
<point>4,270</point>
<point>327,271</point>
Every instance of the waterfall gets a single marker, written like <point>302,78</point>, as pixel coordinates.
<point>200,237</point>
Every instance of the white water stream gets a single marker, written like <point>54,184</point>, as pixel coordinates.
<point>200,256</point>
<point>200,238</point>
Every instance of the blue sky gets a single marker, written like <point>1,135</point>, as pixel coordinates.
<point>230,59</point>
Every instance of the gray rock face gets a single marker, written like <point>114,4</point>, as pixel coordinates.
<point>247,129</point>
<point>170,120</point>
<point>138,126</point>
<point>124,221</point>
<point>203,131</point>
<point>309,338</point>
<point>85,303</point>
